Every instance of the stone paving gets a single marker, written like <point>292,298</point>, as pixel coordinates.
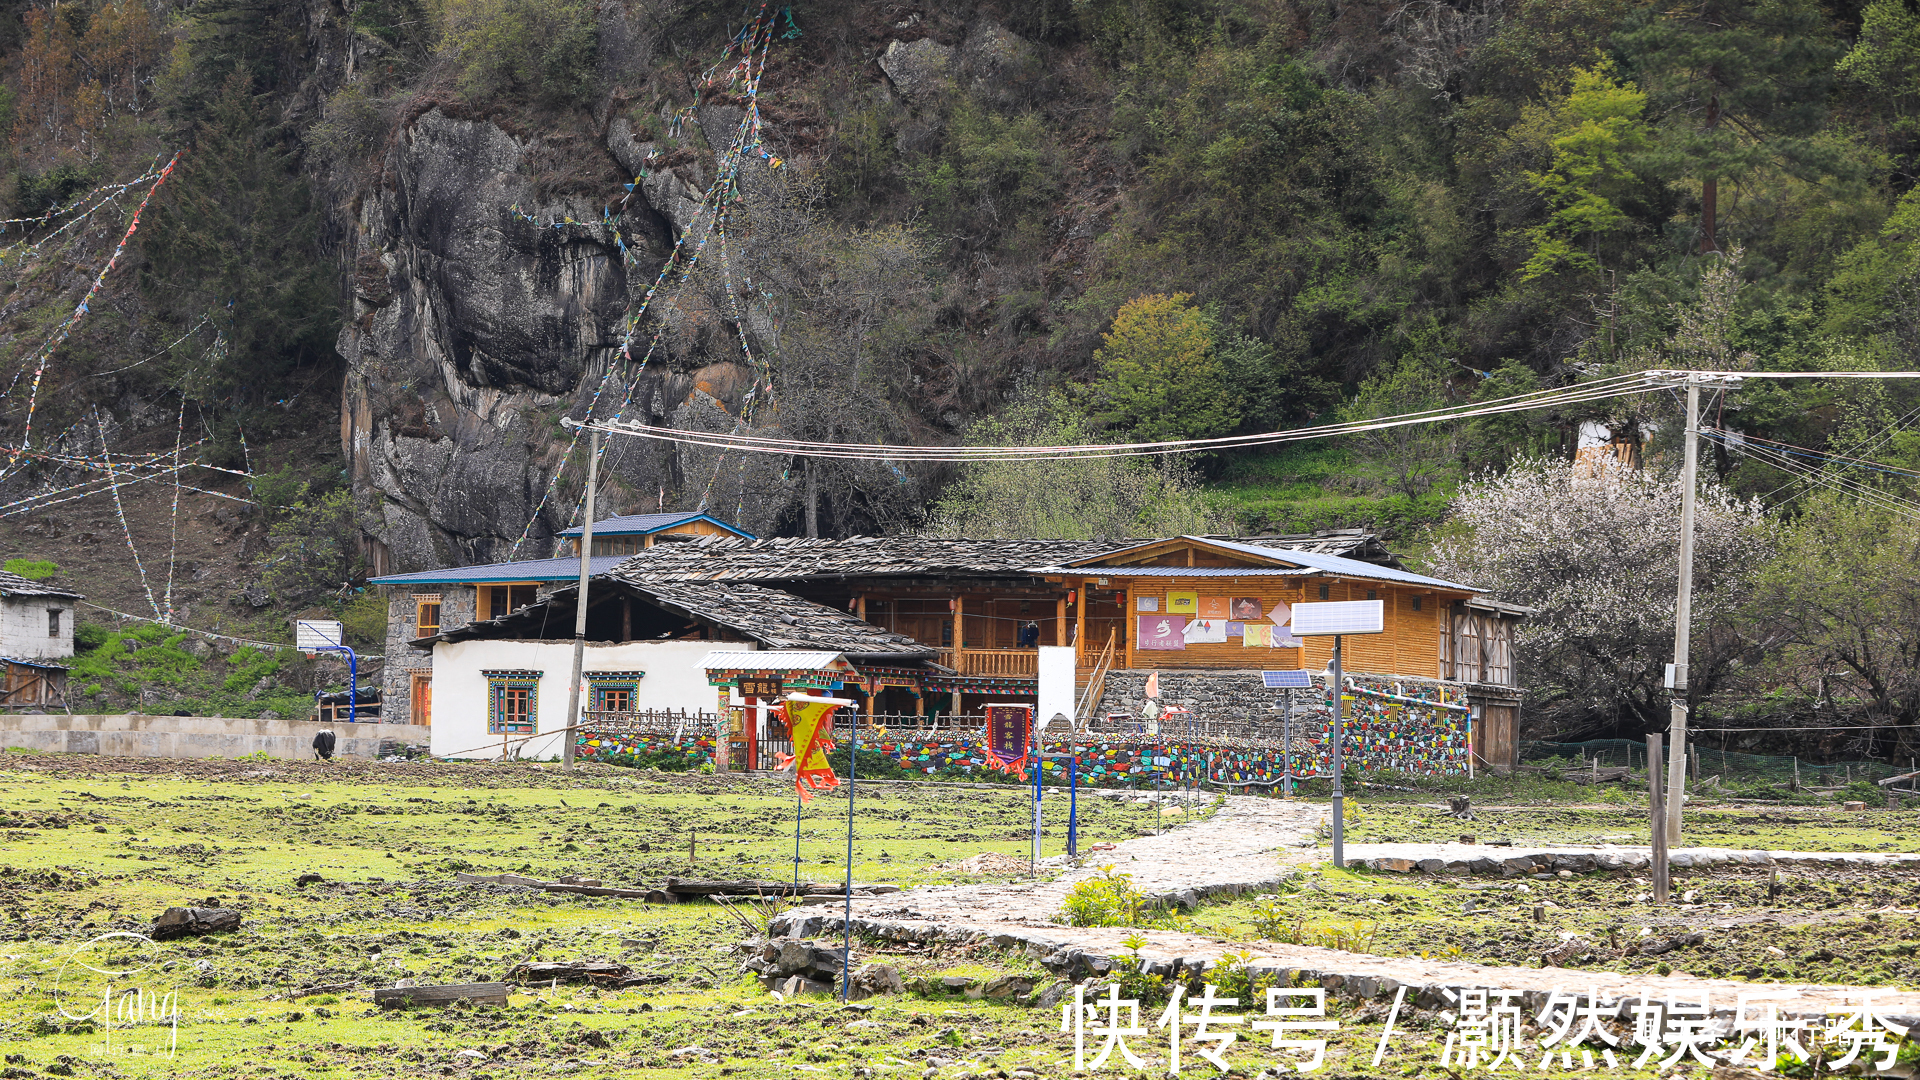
<point>1249,845</point>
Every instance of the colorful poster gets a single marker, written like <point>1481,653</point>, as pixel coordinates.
<point>1283,637</point>
<point>1236,629</point>
<point>1206,632</point>
<point>1257,635</point>
<point>1246,608</point>
<point>1281,613</point>
<point>1009,731</point>
<point>1146,603</point>
<point>810,724</point>
<point>1215,607</point>
<point>1162,632</point>
<point>1183,603</point>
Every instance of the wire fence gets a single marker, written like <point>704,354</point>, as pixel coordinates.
<point>1709,761</point>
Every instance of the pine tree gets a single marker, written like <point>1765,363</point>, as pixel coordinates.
<point>1737,87</point>
<point>237,236</point>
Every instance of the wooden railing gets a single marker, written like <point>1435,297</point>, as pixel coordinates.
<point>1025,662</point>
<point>1096,682</point>
<point>684,723</point>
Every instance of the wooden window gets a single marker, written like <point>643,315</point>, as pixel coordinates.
<point>426,615</point>
<point>504,600</point>
<point>53,621</point>
<point>613,698</point>
<point>512,704</point>
<point>1373,594</point>
<point>613,691</point>
<point>1323,592</point>
<point>1416,603</point>
<point>421,698</point>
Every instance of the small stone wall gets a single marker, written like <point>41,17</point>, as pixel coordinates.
<point>141,736</point>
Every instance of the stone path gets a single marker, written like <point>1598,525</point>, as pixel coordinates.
<point>1247,846</point>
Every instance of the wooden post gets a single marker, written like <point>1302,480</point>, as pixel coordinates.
<point>1080,618</point>
<point>1060,621</point>
<point>1127,617</point>
<point>860,607</point>
<point>959,631</point>
<point>1657,805</point>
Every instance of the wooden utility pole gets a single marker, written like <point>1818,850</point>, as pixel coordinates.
<point>580,612</point>
<point>1658,830</point>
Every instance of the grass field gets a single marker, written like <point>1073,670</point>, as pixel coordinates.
<point>91,846</point>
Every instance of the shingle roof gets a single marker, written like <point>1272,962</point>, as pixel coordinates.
<point>641,524</point>
<point>727,558</point>
<point>773,618</point>
<point>15,585</point>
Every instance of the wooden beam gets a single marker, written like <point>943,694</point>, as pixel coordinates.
<point>1080,616</point>
<point>1060,621</point>
<point>400,997</point>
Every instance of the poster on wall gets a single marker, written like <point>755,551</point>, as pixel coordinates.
<point>1214,607</point>
<point>1183,603</point>
<point>1246,609</point>
<point>1282,613</point>
<point>1146,603</point>
<point>1162,632</point>
<point>1257,636</point>
<point>1009,730</point>
<point>1207,632</point>
<point>1283,638</point>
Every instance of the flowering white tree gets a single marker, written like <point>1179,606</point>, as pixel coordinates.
<point>1596,549</point>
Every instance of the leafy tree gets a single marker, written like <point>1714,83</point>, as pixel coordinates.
<point>1600,128</point>
<point>1160,376</point>
<point>1593,549</point>
<point>1737,88</point>
<point>1845,594</point>
<point>314,551</point>
<point>1071,498</point>
<point>1886,59</point>
<point>1413,457</point>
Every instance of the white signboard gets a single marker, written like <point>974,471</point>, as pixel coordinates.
<point>1056,670</point>
<point>1340,617</point>
<point>310,635</point>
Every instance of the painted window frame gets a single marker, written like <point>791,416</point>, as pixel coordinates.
<point>599,683</point>
<point>499,683</point>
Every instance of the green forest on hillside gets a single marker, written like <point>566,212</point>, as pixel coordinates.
<point>1158,219</point>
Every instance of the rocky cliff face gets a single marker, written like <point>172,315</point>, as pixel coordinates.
<point>478,322</point>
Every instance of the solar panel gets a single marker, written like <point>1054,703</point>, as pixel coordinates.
<point>1340,617</point>
<point>1285,680</point>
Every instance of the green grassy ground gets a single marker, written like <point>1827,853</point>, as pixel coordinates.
<point>91,846</point>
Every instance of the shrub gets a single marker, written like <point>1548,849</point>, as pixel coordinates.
<point>1111,900</point>
<point>544,50</point>
<point>90,636</point>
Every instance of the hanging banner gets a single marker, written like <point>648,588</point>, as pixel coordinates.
<point>1162,632</point>
<point>809,723</point>
<point>1009,731</point>
<point>1183,601</point>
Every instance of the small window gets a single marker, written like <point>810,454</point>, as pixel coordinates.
<point>1373,594</point>
<point>53,621</point>
<point>511,709</point>
<point>613,699</point>
<point>426,617</point>
<point>504,600</point>
<point>1323,592</point>
<point>1416,603</point>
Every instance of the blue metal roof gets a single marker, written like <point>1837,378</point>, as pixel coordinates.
<point>645,524</point>
<point>567,569</point>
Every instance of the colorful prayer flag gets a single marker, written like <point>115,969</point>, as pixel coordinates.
<point>810,725</point>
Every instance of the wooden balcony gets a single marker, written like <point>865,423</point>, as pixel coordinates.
<point>1024,663</point>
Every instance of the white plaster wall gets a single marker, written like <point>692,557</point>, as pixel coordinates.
<point>23,628</point>
<point>674,680</point>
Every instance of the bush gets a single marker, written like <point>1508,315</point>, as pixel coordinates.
<point>544,50</point>
<point>1111,900</point>
<point>90,636</point>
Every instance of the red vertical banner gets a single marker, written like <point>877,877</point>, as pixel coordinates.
<point>1009,735</point>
